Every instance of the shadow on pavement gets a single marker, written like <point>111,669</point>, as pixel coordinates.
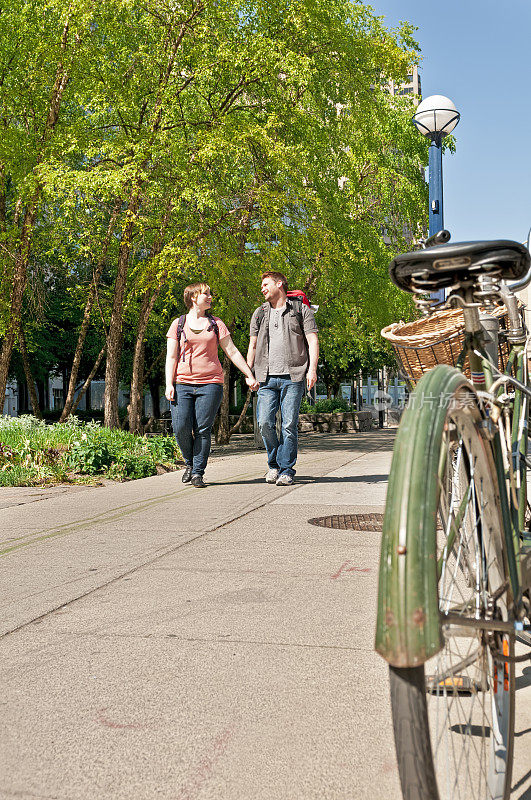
<point>306,479</point>
<point>527,794</point>
<point>524,680</point>
<point>244,443</point>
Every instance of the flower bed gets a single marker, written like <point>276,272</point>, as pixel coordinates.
<point>33,453</point>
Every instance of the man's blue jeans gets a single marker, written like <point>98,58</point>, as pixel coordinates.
<point>193,412</point>
<point>280,391</point>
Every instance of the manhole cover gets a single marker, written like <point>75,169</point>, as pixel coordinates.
<point>354,522</point>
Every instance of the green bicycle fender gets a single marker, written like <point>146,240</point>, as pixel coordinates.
<point>408,630</point>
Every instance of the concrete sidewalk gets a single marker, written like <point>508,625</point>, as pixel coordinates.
<point>167,642</point>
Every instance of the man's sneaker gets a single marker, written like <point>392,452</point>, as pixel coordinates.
<point>285,480</point>
<point>271,476</point>
<point>198,482</point>
<point>187,475</point>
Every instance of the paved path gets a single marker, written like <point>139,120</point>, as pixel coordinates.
<point>165,642</point>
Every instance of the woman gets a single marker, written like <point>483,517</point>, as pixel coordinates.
<point>194,377</point>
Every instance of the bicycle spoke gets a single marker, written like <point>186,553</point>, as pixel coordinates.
<point>462,723</point>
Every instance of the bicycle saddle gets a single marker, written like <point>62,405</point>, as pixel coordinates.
<point>446,264</point>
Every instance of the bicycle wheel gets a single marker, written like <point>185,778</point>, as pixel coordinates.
<point>453,717</point>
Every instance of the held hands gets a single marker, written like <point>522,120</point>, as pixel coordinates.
<point>252,383</point>
<point>311,378</point>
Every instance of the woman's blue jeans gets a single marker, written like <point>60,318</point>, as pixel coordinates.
<point>193,411</point>
<point>280,391</point>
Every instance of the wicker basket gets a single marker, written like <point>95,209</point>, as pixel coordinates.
<point>437,339</point>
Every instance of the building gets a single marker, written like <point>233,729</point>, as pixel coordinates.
<point>411,86</point>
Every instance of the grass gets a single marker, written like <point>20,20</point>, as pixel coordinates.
<point>35,454</point>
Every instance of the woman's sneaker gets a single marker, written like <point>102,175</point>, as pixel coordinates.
<point>271,476</point>
<point>284,480</point>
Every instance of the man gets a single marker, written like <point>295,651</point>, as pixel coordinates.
<point>284,350</point>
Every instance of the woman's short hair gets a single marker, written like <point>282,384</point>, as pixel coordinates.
<point>193,291</point>
<point>277,277</point>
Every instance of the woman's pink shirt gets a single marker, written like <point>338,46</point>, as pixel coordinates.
<point>201,362</point>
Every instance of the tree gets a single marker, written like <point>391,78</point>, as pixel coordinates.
<point>39,48</point>
<point>202,140</point>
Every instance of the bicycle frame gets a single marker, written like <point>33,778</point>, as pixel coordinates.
<point>409,625</point>
<point>512,507</point>
<point>511,471</point>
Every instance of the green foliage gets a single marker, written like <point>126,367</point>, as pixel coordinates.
<point>89,455</point>
<point>231,137</point>
<point>32,452</point>
<point>131,466</point>
<point>328,406</point>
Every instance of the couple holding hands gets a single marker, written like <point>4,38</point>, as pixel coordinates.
<point>283,350</point>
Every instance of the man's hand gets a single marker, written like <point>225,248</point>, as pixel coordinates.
<point>252,383</point>
<point>311,378</point>
<point>170,392</point>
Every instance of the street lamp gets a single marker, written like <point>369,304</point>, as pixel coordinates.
<point>435,117</point>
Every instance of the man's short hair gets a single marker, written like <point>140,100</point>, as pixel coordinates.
<point>193,291</point>
<point>277,276</point>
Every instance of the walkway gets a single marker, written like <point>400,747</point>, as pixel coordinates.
<point>166,642</point>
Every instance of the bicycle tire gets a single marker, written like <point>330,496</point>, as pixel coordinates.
<point>453,717</point>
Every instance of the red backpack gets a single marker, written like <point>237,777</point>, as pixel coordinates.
<point>298,294</point>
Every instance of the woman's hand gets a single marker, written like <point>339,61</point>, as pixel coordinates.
<point>252,383</point>
<point>170,392</point>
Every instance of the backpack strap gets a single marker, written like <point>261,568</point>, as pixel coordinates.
<point>181,332</point>
<point>296,303</point>
<point>180,326</point>
<point>260,314</point>
<point>213,326</point>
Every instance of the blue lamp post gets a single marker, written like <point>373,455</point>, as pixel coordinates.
<point>435,117</point>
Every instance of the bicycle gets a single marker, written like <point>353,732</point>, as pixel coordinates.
<point>455,567</point>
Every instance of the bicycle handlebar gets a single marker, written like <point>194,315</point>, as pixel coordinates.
<point>441,237</point>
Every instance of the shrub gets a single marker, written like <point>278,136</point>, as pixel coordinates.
<point>130,466</point>
<point>328,406</point>
<point>89,455</point>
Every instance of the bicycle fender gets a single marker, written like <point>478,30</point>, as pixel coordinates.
<point>408,630</point>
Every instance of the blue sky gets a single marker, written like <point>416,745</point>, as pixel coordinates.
<point>478,53</point>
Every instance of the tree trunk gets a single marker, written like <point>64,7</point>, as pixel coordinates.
<point>136,406</point>
<point>89,379</point>
<point>28,374</point>
<point>223,434</point>
<point>235,428</point>
<point>69,400</point>
<point>17,295</point>
<point>137,379</point>
<point>115,335</point>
